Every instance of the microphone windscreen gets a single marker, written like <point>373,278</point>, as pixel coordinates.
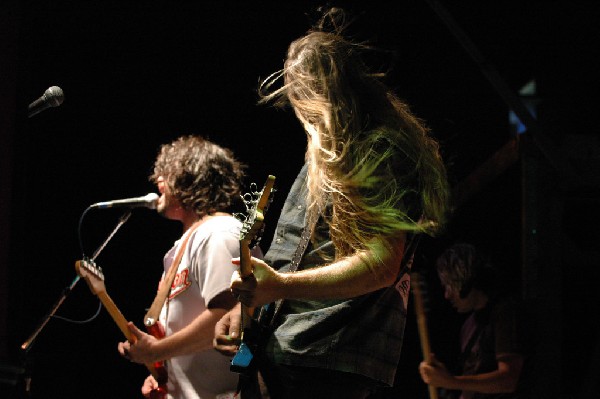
<point>55,96</point>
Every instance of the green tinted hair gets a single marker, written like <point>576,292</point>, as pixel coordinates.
<point>368,155</point>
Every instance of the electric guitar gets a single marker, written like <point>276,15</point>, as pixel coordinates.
<point>418,295</point>
<point>252,226</point>
<point>94,277</point>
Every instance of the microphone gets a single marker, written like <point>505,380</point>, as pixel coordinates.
<point>52,97</point>
<point>147,201</point>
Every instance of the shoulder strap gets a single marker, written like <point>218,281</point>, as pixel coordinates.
<point>409,255</point>
<point>472,340</point>
<point>311,222</point>
<point>163,292</point>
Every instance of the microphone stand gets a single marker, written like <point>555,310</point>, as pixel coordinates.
<point>26,346</point>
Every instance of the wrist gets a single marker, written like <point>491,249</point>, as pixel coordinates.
<point>159,349</point>
<point>284,285</point>
<point>455,382</point>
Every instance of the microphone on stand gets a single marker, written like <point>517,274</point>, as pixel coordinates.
<point>147,201</point>
<point>52,97</point>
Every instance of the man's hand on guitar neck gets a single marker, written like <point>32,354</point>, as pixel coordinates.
<point>435,373</point>
<point>264,285</point>
<point>142,351</point>
<point>227,332</point>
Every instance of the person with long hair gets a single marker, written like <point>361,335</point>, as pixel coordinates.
<point>373,177</point>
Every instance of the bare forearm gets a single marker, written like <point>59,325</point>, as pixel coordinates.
<point>365,271</point>
<point>493,382</point>
<point>195,337</point>
<point>502,380</point>
<point>361,273</point>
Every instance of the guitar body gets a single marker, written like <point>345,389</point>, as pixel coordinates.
<point>242,361</point>
<point>254,333</point>
<point>158,331</point>
<point>159,393</point>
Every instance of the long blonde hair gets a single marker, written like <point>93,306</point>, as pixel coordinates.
<point>368,155</point>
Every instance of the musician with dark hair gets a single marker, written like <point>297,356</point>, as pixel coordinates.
<point>199,182</point>
<point>373,176</point>
<point>492,337</point>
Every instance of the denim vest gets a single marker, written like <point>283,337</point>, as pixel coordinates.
<point>361,335</point>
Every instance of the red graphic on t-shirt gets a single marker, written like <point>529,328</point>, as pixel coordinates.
<point>180,283</point>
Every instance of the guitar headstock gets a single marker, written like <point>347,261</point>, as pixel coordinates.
<point>92,274</point>
<point>257,203</point>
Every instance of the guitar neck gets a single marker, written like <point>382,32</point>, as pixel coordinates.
<point>116,315</point>
<point>121,322</point>
<point>245,271</point>
<point>424,336</point>
<point>423,330</point>
<point>245,259</point>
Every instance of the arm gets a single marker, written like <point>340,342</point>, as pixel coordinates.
<point>196,336</point>
<point>363,272</point>
<point>502,380</point>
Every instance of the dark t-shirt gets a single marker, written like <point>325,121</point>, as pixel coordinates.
<point>496,329</point>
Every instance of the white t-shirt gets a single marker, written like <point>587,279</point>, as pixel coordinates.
<point>205,271</point>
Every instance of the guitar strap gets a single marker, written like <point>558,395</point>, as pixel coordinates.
<point>467,351</point>
<point>165,287</point>
<point>309,227</point>
<point>304,238</point>
<point>402,283</point>
<point>409,255</point>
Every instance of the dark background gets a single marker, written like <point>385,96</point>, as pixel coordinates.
<point>140,74</point>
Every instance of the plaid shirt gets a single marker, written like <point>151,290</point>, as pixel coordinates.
<point>362,335</point>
